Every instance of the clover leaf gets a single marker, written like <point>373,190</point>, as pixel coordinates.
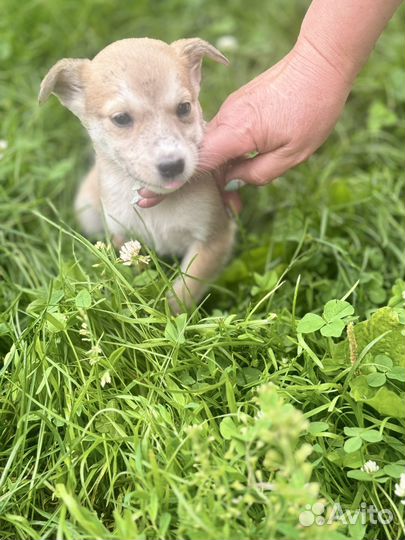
<point>310,323</point>
<point>332,322</point>
<point>385,369</point>
<point>337,309</point>
<point>359,435</point>
<point>376,379</point>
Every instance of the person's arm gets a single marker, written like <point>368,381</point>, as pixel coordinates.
<point>287,112</point>
<point>344,32</point>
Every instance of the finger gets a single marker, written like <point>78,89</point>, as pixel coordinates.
<point>146,193</point>
<point>233,202</point>
<point>261,169</point>
<point>221,144</point>
<point>148,203</point>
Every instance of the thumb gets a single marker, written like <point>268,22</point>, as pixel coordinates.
<point>261,169</point>
<point>221,144</point>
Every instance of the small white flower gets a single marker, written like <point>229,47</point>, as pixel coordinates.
<point>100,245</point>
<point>129,252</point>
<point>84,329</point>
<point>227,43</point>
<point>400,488</point>
<point>105,378</point>
<point>94,353</point>
<point>370,467</point>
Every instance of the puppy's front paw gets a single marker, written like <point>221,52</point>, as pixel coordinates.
<point>181,298</point>
<point>174,304</point>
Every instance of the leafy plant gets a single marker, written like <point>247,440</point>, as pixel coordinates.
<point>357,436</point>
<point>384,369</point>
<point>336,314</point>
<point>118,420</point>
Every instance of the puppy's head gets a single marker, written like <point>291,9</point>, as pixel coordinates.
<point>138,99</point>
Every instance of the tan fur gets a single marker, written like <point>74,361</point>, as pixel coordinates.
<point>147,79</point>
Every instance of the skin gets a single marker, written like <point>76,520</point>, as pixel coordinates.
<point>286,113</point>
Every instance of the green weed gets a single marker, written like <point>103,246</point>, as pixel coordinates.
<point>253,416</point>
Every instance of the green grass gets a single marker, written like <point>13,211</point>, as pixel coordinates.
<point>206,427</point>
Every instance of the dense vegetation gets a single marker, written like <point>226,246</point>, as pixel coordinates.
<point>119,421</point>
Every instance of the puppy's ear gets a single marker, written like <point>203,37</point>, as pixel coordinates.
<point>193,51</point>
<point>66,80</point>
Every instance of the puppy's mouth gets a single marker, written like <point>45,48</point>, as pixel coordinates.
<point>162,188</point>
<point>174,184</point>
<point>158,186</point>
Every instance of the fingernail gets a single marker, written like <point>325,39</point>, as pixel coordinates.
<point>143,203</point>
<point>234,185</point>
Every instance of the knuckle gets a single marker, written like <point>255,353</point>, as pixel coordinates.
<point>297,153</point>
<point>259,177</point>
<point>239,115</point>
<point>303,155</point>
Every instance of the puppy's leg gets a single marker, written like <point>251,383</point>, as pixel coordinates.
<point>201,264</point>
<point>88,205</point>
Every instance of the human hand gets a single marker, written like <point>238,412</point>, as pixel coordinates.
<point>147,198</point>
<point>283,115</point>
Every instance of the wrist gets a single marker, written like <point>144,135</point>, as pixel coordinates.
<point>325,61</point>
<point>343,33</point>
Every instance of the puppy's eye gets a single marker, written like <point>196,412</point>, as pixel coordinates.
<point>122,120</point>
<point>183,109</point>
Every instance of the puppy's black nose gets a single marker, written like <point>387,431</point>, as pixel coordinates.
<point>169,169</point>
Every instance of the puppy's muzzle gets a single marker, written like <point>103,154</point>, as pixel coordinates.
<point>172,168</point>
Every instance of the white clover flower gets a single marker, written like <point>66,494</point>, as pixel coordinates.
<point>105,378</point>
<point>227,43</point>
<point>129,252</point>
<point>400,488</point>
<point>100,245</point>
<point>370,467</point>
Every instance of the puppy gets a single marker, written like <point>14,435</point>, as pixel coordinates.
<point>138,100</point>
